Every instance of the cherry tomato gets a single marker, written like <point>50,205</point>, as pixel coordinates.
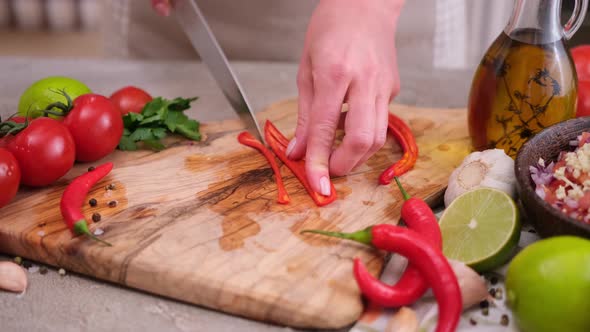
<point>130,99</point>
<point>45,151</point>
<point>96,126</point>
<point>581,57</point>
<point>9,177</point>
<point>18,119</point>
<point>583,99</point>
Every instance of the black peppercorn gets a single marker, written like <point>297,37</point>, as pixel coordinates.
<point>96,217</point>
<point>492,292</point>
<point>504,320</point>
<point>91,168</point>
<point>92,202</point>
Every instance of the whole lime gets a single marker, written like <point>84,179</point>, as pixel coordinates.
<point>47,91</point>
<point>548,285</point>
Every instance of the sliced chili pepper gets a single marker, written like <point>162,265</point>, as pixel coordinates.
<point>278,143</point>
<point>411,286</point>
<point>403,134</point>
<point>428,259</point>
<point>249,140</point>
<point>74,197</point>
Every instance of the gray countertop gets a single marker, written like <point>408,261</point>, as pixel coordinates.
<point>78,303</point>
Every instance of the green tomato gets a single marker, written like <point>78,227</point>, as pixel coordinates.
<point>47,91</point>
<point>548,285</point>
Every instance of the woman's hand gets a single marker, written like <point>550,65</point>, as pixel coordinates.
<point>349,56</point>
<point>162,7</point>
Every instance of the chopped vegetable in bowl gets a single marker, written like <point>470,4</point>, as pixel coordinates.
<point>565,184</point>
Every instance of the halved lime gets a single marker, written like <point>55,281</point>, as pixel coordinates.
<point>481,228</point>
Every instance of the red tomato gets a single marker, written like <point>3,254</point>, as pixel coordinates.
<point>130,99</point>
<point>9,177</point>
<point>583,108</point>
<point>581,57</point>
<point>45,151</point>
<point>96,126</point>
<point>18,119</point>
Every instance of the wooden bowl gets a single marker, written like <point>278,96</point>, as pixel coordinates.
<point>548,220</point>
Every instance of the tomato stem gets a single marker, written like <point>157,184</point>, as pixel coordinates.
<point>64,109</point>
<point>10,127</point>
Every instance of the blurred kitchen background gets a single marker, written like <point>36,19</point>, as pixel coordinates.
<point>456,36</point>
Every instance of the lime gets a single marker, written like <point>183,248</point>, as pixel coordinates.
<point>47,91</point>
<point>548,285</point>
<point>481,228</point>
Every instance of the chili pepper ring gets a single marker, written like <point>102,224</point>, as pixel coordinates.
<point>278,143</point>
<point>403,134</point>
<point>249,140</point>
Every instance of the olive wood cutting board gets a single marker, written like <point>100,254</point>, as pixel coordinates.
<point>199,222</point>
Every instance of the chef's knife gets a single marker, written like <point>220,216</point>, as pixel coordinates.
<point>196,28</point>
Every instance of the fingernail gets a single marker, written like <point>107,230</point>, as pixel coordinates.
<point>324,186</point>
<point>291,146</point>
<point>162,8</point>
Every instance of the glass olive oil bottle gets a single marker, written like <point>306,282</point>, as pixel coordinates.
<point>526,81</point>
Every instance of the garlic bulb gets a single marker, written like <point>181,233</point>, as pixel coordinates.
<point>491,168</point>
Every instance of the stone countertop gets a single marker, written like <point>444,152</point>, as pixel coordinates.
<point>78,303</point>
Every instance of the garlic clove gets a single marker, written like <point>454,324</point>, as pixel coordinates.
<point>473,286</point>
<point>12,277</point>
<point>491,168</point>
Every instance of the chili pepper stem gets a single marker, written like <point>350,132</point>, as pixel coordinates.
<point>363,236</point>
<point>81,228</point>
<point>401,188</point>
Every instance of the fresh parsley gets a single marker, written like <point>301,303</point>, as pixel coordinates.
<point>158,118</point>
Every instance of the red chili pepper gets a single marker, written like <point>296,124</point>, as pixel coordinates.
<point>430,261</point>
<point>278,143</point>
<point>418,216</point>
<point>74,197</point>
<point>403,134</point>
<point>249,140</point>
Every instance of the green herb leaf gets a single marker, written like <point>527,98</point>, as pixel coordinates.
<point>189,129</point>
<point>142,134</point>
<point>154,118</point>
<point>154,144</point>
<point>135,117</point>
<point>181,104</point>
<point>127,144</point>
<point>174,118</point>
<point>130,120</point>
<point>153,106</point>
<point>159,133</point>
<point>158,118</point>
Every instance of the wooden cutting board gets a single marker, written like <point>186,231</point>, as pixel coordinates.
<point>200,223</point>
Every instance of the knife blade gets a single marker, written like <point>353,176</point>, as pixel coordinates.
<point>193,22</point>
